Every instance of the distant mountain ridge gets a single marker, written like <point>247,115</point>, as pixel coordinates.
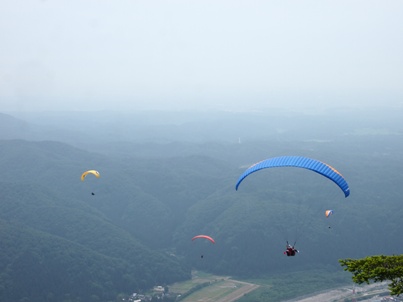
<point>16,128</point>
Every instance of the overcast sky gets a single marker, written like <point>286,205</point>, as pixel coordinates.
<point>221,54</point>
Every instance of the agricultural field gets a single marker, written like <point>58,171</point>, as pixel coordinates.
<point>204,287</point>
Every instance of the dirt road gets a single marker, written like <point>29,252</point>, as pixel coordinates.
<point>340,294</point>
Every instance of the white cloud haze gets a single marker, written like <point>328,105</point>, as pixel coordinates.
<point>122,55</point>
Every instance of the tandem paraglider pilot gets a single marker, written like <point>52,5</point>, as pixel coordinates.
<point>290,250</point>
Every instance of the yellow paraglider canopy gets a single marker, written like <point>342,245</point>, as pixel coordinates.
<point>95,172</point>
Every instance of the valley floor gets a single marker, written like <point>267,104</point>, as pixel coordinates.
<point>225,289</point>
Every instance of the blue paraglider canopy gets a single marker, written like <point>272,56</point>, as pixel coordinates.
<point>299,162</point>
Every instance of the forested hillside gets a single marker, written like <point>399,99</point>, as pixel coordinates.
<point>153,196</point>
<point>55,233</point>
<point>271,207</point>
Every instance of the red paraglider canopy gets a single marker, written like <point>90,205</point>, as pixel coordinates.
<point>203,236</point>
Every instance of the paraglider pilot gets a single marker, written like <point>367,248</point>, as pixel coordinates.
<point>290,250</point>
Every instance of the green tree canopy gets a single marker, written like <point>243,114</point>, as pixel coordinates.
<point>377,269</point>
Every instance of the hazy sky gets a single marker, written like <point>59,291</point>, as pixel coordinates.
<point>224,54</point>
